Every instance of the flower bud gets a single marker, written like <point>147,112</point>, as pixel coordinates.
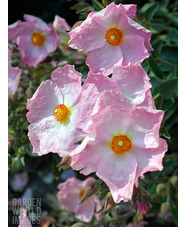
<point>65,163</point>
<point>91,189</point>
<point>109,204</point>
<point>143,207</point>
<point>165,208</point>
<point>174,180</point>
<point>160,188</point>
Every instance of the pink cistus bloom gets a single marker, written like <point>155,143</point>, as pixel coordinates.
<point>58,112</point>
<point>69,196</point>
<point>111,38</point>
<point>14,74</point>
<point>23,219</point>
<point>35,39</point>
<point>123,140</point>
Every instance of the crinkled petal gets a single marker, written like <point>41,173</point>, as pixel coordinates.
<point>144,130</point>
<point>52,41</point>
<point>133,49</point>
<point>149,159</point>
<point>61,24</point>
<point>133,82</point>
<point>65,75</point>
<point>148,101</point>
<point>38,23</point>
<point>102,83</point>
<point>31,54</point>
<point>104,59</point>
<point>45,99</point>
<point>87,37</point>
<point>20,28</point>
<point>14,74</point>
<point>85,211</point>
<point>49,135</point>
<point>122,181</point>
<point>131,27</point>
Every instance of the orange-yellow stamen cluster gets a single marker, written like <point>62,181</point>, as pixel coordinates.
<point>81,193</point>
<point>114,36</point>
<point>120,144</point>
<point>62,113</point>
<point>38,39</point>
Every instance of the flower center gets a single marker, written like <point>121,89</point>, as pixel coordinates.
<point>38,39</point>
<point>62,113</point>
<point>81,193</point>
<point>114,36</point>
<point>120,144</point>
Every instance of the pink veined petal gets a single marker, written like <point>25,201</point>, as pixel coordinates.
<point>19,28</point>
<point>61,24</point>
<point>45,99</point>
<point>131,27</point>
<point>86,211</point>
<point>89,96</point>
<point>149,159</point>
<point>111,15</point>
<point>88,36</point>
<point>133,49</point>
<point>144,130</point>
<point>31,54</point>
<point>52,41</point>
<point>133,82</point>
<point>112,98</point>
<point>49,135</point>
<point>38,23</point>
<point>104,59</point>
<point>65,75</point>
<point>102,82</point>
<point>13,78</point>
<point>148,101</point>
<point>122,181</point>
<point>68,194</point>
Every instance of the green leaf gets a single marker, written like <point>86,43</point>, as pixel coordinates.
<point>151,10</point>
<point>175,215</point>
<point>157,46</point>
<point>173,35</point>
<point>155,68</point>
<point>158,102</point>
<point>167,104</point>
<point>164,133</point>
<point>169,54</point>
<point>167,88</point>
<point>97,5</point>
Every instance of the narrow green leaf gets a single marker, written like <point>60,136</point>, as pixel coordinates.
<point>164,133</point>
<point>155,68</point>
<point>169,54</point>
<point>167,88</point>
<point>151,10</point>
<point>158,102</point>
<point>97,5</point>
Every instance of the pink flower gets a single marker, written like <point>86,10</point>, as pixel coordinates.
<point>23,219</point>
<point>132,81</point>
<point>112,38</point>
<point>143,207</point>
<point>34,38</point>
<point>69,196</point>
<point>14,74</point>
<point>123,140</point>
<point>59,111</point>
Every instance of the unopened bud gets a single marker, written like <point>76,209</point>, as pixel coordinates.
<point>174,180</point>
<point>91,189</point>
<point>160,188</point>
<point>143,207</point>
<point>29,91</point>
<point>109,204</point>
<point>165,208</point>
<point>65,163</point>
